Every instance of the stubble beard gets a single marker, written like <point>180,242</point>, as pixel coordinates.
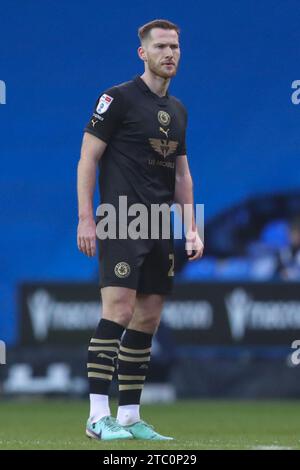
<point>158,70</point>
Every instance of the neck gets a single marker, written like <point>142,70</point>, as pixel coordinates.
<point>157,85</point>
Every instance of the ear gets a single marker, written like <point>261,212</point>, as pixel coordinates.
<point>142,54</point>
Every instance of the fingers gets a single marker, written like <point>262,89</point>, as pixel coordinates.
<point>195,246</point>
<point>86,237</point>
<point>189,250</point>
<point>87,245</point>
<point>197,255</point>
<point>190,247</point>
<point>93,247</point>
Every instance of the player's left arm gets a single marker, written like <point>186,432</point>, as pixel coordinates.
<point>183,197</point>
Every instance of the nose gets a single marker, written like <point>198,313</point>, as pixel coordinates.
<point>169,52</point>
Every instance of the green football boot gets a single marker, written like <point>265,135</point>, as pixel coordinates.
<point>106,429</point>
<point>142,430</point>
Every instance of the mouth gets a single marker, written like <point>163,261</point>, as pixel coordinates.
<point>169,64</point>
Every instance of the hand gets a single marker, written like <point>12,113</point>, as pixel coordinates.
<point>86,236</point>
<point>194,243</point>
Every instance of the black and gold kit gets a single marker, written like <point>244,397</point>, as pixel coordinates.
<point>144,135</point>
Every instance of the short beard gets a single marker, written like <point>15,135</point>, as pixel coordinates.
<point>156,70</point>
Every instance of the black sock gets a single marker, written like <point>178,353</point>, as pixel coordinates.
<point>102,356</point>
<point>133,364</point>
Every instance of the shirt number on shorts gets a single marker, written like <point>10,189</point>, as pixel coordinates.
<point>171,270</point>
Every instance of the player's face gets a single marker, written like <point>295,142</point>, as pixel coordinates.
<point>162,53</point>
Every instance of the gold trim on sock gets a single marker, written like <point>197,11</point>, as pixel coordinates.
<point>130,387</point>
<point>96,375</point>
<point>90,365</point>
<point>103,348</point>
<point>134,359</point>
<point>105,341</point>
<point>131,377</point>
<point>135,351</point>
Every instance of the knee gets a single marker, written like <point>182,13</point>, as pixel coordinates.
<point>147,323</point>
<point>119,310</point>
<point>147,314</point>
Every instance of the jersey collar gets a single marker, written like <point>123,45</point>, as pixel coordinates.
<point>142,85</point>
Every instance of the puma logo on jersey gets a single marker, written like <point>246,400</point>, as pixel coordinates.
<point>165,132</point>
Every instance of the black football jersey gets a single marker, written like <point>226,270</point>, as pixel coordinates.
<point>144,135</point>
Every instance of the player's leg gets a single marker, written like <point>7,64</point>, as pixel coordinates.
<point>134,359</point>
<point>155,283</point>
<point>134,355</point>
<point>118,305</point>
<point>118,279</point>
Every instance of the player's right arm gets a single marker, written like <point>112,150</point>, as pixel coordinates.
<point>107,116</point>
<point>92,150</point>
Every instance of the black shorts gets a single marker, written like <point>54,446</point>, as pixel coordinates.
<point>144,265</point>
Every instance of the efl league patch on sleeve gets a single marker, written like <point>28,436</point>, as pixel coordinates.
<point>104,103</point>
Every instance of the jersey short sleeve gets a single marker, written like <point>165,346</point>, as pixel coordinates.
<point>107,116</point>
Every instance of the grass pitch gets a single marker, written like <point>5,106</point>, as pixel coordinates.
<point>194,425</point>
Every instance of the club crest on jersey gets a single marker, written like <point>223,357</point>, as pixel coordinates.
<point>122,269</point>
<point>163,118</point>
<point>104,103</point>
